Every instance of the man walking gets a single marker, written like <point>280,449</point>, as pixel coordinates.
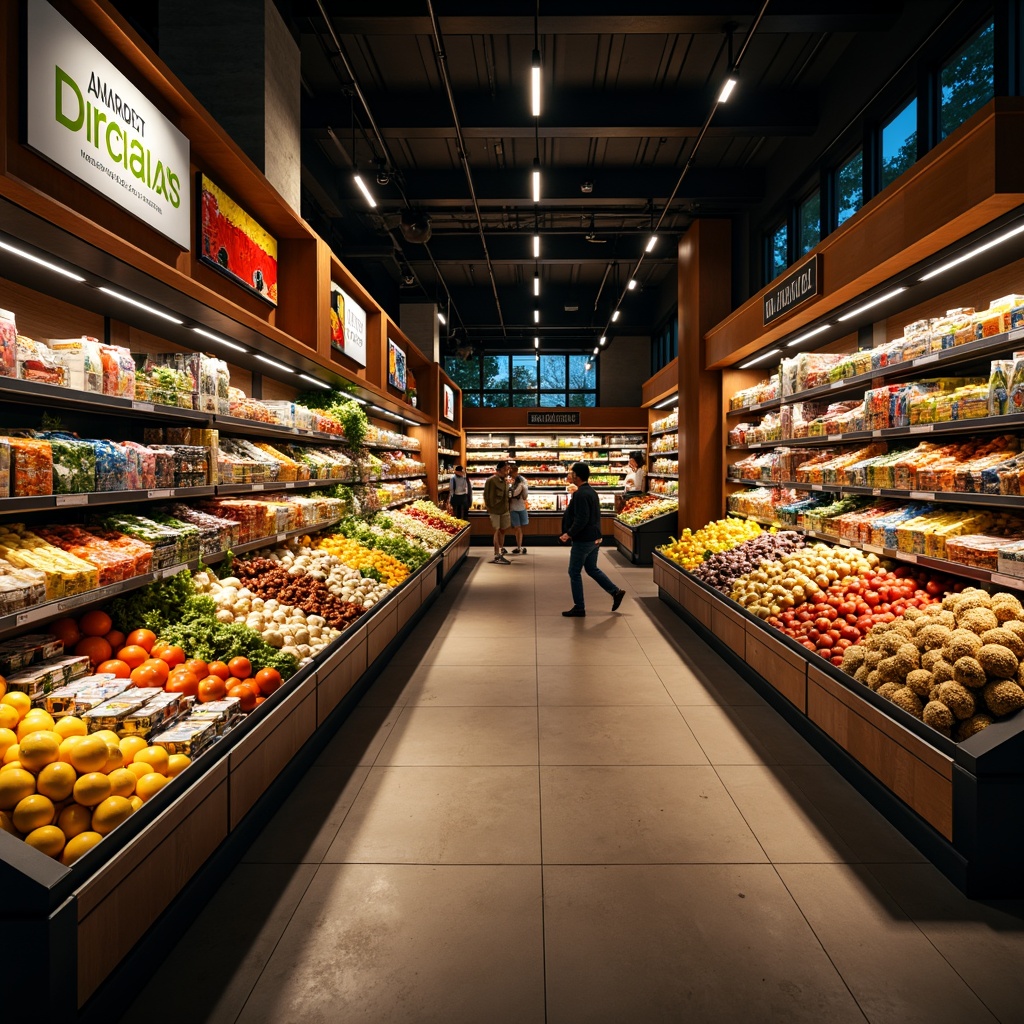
<point>581,524</point>
<point>496,503</point>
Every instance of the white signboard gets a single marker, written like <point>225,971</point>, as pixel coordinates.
<point>93,123</point>
<point>348,325</point>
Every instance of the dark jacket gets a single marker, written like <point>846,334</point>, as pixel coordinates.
<point>582,518</point>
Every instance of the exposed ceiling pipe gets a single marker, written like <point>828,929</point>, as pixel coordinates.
<point>442,63</point>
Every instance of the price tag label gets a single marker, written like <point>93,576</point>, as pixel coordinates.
<point>906,556</point>
<point>837,383</point>
<point>835,437</point>
<point>845,543</point>
<point>922,495</point>
<point>142,406</point>
<point>32,615</point>
<point>160,493</point>
<point>1016,334</point>
<point>817,487</point>
<point>876,433</point>
<point>922,360</point>
<point>170,571</point>
<point>921,428</point>
<point>282,537</point>
<point>66,605</point>
<point>1007,581</point>
<point>876,491</point>
<point>289,485</point>
<point>259,487</point>
<point>874,549</point>
<point>71,499</point>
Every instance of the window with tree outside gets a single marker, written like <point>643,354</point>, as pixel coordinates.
<point>525,381</point>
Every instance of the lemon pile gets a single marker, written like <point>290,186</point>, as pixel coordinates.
<point>356,556</point>
<point>720,535</point>
<point>62,788</point>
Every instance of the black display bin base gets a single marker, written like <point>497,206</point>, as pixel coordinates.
<point>638,543</point>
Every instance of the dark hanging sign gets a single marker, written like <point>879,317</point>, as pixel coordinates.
<point>553,419</point>
<point>799,285</point>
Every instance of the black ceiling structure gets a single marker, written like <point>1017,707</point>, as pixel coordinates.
<point>430,100</point>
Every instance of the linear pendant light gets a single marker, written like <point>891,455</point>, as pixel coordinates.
<point>535,84</point>
<point>536,179</point>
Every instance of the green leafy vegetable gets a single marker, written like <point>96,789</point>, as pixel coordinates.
<point>153,606</point>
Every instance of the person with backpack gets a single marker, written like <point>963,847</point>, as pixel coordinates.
<point>519,492</point>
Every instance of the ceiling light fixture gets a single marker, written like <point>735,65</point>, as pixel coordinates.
<point>727,88</point>
<point>274,363</point>
<point>313,380</point>
<point>536,247</point>
<point>760,359</point>
<point>358,179</point>
<point>43,263</point>
<point>219,340</point>
<point>536,316</point>
<point>141,305</point>
<point>872,303</point>
<point>667,401</point>
<point>535,84</point>
<point>595,352</point>
<point>587,366</point>
<point>632,283</point>
<point>807,334</point>
<point>652,243</point>
<point>440,317</point>
<point>616,315</point>
<point>536,342</point>
<point>974,252</point>
<point>536,179</point>
<point>604,338</point>
<point>536,284</point>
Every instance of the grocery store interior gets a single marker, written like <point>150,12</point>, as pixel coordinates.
<point>335,339</point>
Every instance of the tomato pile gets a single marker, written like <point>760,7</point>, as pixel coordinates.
<point>842,615</point>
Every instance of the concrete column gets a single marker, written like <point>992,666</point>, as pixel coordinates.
<point>419,322</point>
<point>624,366</point>
<point>240,61</point>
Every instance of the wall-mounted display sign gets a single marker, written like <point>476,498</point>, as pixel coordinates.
<point>84,116</point>
<point>553,419</point>
<point>348,325</point>
<point>396,366</point>
<point>799,285</point>
<point>448,403</point>
<point>235,244</point>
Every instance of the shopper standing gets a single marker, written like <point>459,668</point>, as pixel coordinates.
<point>496,503</point>
<point>581,524</point>
<point>460,493</point>
<point>635,474</point>
<point>519,491</point>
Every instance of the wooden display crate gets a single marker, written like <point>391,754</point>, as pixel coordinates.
<point>783,668</point>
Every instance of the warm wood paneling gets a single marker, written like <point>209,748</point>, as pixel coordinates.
<point>255,766</point>
<point>381,631</point>
<point>340,674</point>
<point>967,181</point>
<point>730,628</point>
<point>665,382</point>
<point>917,773</point>
<point>783,668</point>
<point>120,902</point>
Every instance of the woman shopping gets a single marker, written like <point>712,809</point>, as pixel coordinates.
<point>460,493</point>
<point>519,492</point>
<point>635,475</point>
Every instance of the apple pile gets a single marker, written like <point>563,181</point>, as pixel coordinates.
<point>843,614</point>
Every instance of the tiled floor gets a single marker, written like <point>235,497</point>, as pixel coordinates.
<point>576,821</point>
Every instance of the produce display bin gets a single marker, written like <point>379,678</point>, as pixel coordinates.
<point>959,803</point>
<point>76,925</point>
<point>638,543</point>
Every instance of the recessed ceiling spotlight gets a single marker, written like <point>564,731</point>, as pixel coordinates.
<point>586,187</point>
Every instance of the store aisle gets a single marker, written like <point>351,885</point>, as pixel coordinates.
<point>578,821</point>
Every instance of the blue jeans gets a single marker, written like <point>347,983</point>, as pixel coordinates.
<point>583,555</point>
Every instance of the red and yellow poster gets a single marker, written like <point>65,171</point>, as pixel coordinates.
<point>233,243</point>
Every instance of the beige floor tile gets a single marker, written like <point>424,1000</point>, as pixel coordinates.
<point>616,735</point>
<point>622,651</point>
<point>472,652</point>
<point>597,684</point>
<point>979,940</point>
<point>779,813</point>
<point>551,626</point>
<point>777,736</point>
<point>482,686</point>
<point>209,974</point>
<point>895,974</point>
<point>443,816</point>
<point>462,736</point>
<point>642,815</point>
<point>361,736</point>
<point>305,826</point>
<point>868,834</point>
<point>409,944</point>
<point>666,944</point>
<point>471,625</point>
<point>724,736</point>
<point>687,685</point>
